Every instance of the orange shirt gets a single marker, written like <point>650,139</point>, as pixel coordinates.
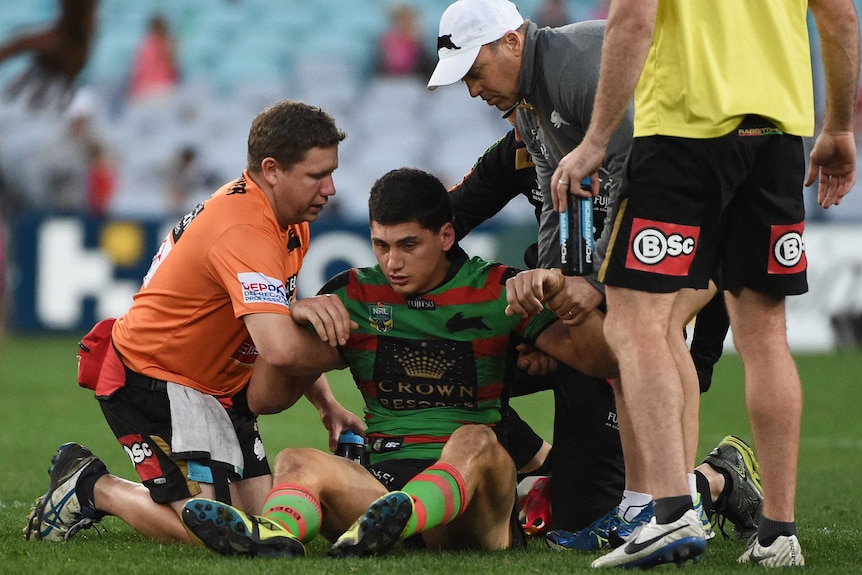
<point>226,259</point>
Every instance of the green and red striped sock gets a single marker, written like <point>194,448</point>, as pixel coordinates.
<point>294,508</point>
<point>439,496</point>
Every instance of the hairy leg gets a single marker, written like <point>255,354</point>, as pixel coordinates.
<point>635,476</point>
<point>773,394</point>
<point>688,302</point>
<point>636,328</point>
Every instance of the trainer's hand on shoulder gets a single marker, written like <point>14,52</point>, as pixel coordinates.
<point>327,315</point>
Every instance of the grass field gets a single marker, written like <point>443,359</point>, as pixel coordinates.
<point>41,407</point>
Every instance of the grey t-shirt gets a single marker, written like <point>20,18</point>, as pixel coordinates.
<point>559,78</point>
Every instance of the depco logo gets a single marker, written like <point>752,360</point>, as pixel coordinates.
<point>651,246</point>
<point>788,249</point>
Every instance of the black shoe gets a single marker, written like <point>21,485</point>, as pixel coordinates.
<point>378,530</point>
<point>741,502</point>
<point>59,514</point>
<point>229,531</point>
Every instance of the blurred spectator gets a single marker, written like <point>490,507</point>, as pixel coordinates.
<point>154,70</point>
<point>553,13</point>
<point>66,159</point>
<point>401,49</point>
<point>59,51</point>
<point>101,180</point>
<point>189,181</point>
<point>600,11</point>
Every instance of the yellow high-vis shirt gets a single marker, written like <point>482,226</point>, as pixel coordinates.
<point>712,62</point>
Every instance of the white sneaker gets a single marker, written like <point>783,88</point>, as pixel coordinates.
<point>654,544</point>
<point>784,552</point>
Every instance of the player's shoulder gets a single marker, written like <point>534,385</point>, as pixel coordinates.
<point>336,282</point>
<point>356,280</point>
<point>490,272</point>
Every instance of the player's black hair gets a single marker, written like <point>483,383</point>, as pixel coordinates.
<point>409,195</point>
<point>287,130</point>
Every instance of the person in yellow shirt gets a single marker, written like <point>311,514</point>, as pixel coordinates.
<point>723,97</point>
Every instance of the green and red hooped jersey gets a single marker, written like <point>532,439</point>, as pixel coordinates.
<point>427,364</point>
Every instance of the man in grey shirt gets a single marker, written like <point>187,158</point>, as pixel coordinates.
<point>555,108</point>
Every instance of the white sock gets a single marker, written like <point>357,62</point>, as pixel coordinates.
<point>692,487</point>
<point>633,503</point>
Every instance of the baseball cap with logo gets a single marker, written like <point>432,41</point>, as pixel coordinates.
<point>465,27</point>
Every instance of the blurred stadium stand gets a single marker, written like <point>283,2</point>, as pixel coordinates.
<point>236,56</point>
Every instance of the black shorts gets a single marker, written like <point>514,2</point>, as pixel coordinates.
<point>395,473</point>
<point>140,418</point>
<point>694,208</point>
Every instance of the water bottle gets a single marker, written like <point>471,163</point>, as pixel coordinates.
<point>351,446</point>
<point>576,234</point>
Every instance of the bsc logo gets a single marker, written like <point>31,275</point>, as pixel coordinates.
<point>651,246</point>
<point>138,452</point>
<point>788,249</point>
<point>661,247</point>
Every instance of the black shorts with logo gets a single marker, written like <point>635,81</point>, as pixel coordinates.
<point>694,208</point>
<point>139,414</point>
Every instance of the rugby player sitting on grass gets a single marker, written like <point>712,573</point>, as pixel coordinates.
<point>428,355</point>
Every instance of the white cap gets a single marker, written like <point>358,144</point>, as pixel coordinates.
<point>465,27</point>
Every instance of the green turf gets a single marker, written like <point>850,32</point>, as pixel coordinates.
<point>41,407</point>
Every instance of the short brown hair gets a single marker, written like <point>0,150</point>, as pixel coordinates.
<point>287,130</point>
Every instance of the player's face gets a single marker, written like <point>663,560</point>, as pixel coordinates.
<point>494,75</point>
<point>301,191</point>
<point>413,258</point>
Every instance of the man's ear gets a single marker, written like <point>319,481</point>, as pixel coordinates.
<point>513,42</point>
<point>447,233</point>
<point>268,168</point>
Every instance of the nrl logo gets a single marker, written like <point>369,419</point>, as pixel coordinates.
<point>380,317</point>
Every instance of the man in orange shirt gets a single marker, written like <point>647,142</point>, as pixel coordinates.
<point>173,386</point>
